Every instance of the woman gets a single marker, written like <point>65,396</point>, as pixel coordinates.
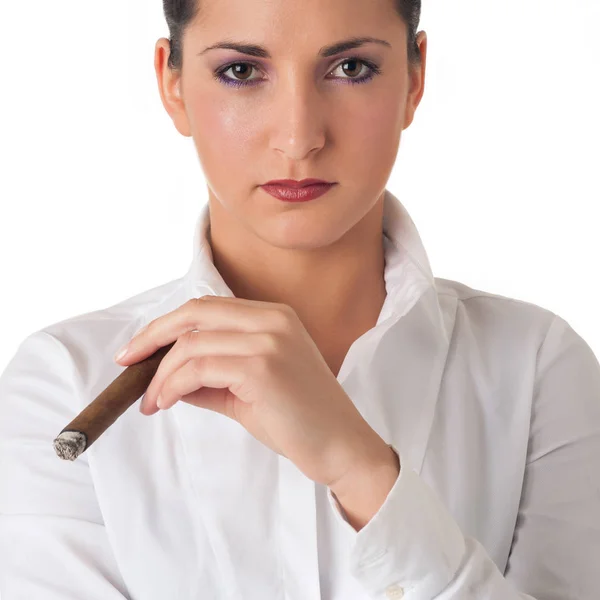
<point>370,430</point>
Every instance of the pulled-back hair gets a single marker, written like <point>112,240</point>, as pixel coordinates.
<point>179,14</point>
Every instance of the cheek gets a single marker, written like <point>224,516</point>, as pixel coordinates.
<point>222,128</point>
<point>371,135</point>
<point>379,122</point>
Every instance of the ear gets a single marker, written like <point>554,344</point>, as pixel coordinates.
<point>169,86</point>
<point>416,74</point>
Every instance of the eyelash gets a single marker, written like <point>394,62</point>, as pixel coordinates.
<point>219,73</point>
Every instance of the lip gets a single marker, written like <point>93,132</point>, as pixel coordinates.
<point>292,183</point>
<point>300,194</point>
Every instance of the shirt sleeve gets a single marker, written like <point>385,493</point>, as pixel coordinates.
<point>414,549</point>
<point>53,542</point>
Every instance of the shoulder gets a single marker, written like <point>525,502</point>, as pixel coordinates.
<point>500,338</point>
<point>80,349</point>
<point>486,314</point>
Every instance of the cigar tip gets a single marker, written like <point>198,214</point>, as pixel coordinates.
<point>69,444</point>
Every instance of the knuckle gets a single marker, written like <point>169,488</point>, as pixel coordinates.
<point>287,309</point>
<point>198,364</point>
<point>182,344</point>
<point>188,337</point>
<point>282,318</point>
<point>270,343</point>
<point>194,303</point>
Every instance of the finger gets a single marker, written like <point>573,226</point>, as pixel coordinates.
<point>148,408</point>
<point>196,344</point>
<point>221,372</point>
<point>150,338</point>
<point>200,314</point>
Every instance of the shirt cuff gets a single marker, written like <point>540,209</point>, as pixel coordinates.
<point>412,543</point>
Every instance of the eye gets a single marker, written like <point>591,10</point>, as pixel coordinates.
<point>245,68</point>
<point>372,69</point>
<point>240,68</point>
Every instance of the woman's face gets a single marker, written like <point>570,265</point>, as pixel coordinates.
<point>295,114</point>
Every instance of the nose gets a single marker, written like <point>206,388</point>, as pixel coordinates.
<point>298,121</point>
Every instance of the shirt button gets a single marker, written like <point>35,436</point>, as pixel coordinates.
<point>394,592</point>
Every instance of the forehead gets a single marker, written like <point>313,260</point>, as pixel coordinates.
<point>281,25</point>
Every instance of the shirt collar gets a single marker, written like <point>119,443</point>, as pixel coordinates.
<point>407,272</point>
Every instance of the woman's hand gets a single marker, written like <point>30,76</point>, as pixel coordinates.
<point>255,363</point>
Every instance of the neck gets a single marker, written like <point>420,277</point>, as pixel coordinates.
<point>335,290</point>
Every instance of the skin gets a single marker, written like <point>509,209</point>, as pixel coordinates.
<point>301,118</point>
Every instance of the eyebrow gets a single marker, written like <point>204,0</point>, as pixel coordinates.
<point>326,51</point>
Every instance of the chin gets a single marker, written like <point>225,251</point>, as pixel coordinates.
<point>294,235</point>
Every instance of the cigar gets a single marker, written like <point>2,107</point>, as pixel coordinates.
<point>108,406</point>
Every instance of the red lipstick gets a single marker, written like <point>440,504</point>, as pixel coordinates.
<point>291,190</point>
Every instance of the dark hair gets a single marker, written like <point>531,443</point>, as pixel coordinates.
<point>179,14</point>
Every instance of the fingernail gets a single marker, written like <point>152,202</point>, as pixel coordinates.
<point>121,353</point>
<point>159,401</point>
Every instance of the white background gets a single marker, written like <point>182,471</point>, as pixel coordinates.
<point>100,194</point>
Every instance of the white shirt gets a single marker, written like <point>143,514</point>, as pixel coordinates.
<point>493,405</point>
